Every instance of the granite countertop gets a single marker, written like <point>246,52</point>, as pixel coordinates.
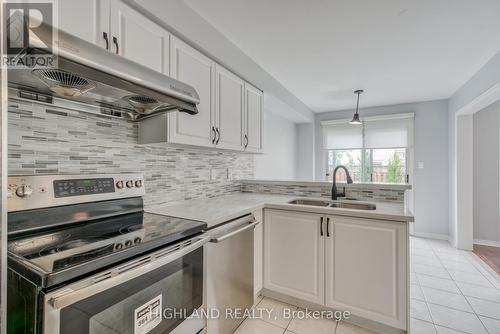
<point>217,210</point>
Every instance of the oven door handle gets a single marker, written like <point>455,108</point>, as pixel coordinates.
<point>120,274</point>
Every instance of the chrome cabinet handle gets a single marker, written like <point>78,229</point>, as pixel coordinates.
<point>321,226</point>
<point>328,227</point>
<point>218,136</point>
<point>105,36</point>
<point>215,135</point>
<point>115,41</point>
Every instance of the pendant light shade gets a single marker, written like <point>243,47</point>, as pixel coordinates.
<point>355,118</point>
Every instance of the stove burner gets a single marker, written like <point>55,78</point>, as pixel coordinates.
<point>70,244</point>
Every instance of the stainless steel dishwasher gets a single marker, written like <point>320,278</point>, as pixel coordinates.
<point>230,271</point>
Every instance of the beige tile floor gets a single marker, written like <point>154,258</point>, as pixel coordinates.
<point>452,292</point>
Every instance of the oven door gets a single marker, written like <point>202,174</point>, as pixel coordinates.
<point>137,297</point>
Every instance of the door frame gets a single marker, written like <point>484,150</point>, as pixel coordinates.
<point>462,165</point>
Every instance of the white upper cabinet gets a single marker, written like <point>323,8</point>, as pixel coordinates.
<point>229,95</point>
<point>119,28</point>
<point>230,110</point>
<point>137,38</point>
<point>192,67</point>
<point>294,254</point>
<point>88,20</point>
<point>252,134</point>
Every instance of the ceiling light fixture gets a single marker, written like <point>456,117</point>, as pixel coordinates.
<point>355,119</point>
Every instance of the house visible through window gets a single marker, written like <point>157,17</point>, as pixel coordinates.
<point>377,151</point>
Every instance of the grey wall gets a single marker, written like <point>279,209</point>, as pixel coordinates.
<point>279,154</point>
<point>431,147</point>
<point>56,140</point>
<point>487,77</point>
<point>486,173</point>
<point>305,152</point>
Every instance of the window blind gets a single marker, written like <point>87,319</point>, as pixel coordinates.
<point>341,136</point>
<point>388,131</point>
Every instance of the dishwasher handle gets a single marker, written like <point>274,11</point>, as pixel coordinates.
<point>233,233</point>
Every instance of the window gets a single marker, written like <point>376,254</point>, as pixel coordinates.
<point>389,165</point>
<point>353,160</point>
<point>380,165</point>
<point>377,151</point>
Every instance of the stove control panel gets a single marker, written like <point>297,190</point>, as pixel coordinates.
<point>43,191</point>
<point>78,187</point>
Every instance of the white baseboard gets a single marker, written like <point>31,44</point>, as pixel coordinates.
<point>487,242</point>
<point>431,235</point>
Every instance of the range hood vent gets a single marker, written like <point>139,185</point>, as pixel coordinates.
<point>63,83</point>
<point>145,105</point>
<point>87,73</point>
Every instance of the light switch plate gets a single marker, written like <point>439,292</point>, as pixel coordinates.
<point>420,165</point>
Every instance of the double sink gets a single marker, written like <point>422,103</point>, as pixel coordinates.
<point>334,204</point>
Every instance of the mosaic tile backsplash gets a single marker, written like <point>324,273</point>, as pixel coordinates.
<point>325,191</point>
<point>52,140</point>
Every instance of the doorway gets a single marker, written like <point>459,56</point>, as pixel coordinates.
<point>475,207</point>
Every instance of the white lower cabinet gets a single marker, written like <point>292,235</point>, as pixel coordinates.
<point>365,266</point>
<point>344,263</point>
<point>294,254</point>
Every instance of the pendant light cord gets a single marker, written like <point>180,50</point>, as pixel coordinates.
<point>357,103</point>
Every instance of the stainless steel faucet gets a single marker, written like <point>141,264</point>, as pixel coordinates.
<point>335,194</point>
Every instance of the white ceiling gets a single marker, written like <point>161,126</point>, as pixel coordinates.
<point>396,50</point>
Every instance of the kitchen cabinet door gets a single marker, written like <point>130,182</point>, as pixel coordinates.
<point>254,102</point>
<point>366,269</point>
<point>88,20</point>
<point>294,254</point>
<point>139,39</point>
<point>229,90</point>
<point>192,67</point>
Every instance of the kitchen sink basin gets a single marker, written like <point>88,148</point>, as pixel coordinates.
<point>340,205</point>
<point>356,206</point>
<point>310,202</point>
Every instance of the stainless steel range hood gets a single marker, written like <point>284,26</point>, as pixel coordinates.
<point>92,75</point>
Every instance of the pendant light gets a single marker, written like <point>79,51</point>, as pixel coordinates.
<point>355,119</point>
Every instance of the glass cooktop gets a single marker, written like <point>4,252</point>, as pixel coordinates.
<point>62,254</point>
